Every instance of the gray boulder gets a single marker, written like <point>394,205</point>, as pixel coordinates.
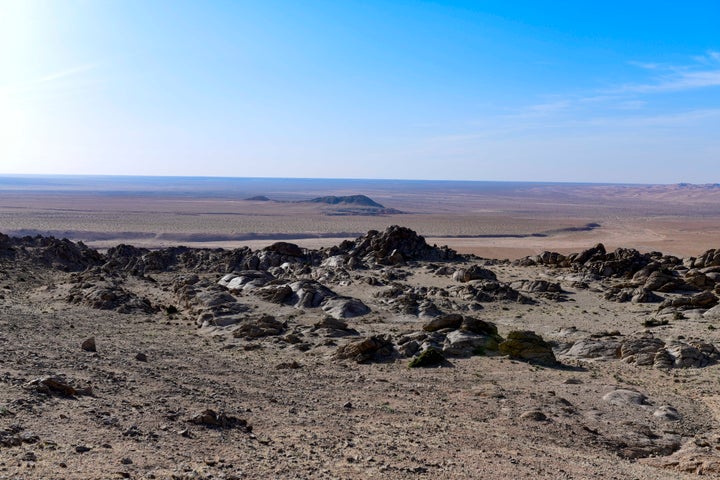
<point>344,307</point>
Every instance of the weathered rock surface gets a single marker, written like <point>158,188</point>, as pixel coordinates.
<point>264,326</point>
<point>372,349</point>
<point>393,246</point>
<point>109,295</point>
<point>528,346</point>
<point>211,419</point>
<point>473,272</point>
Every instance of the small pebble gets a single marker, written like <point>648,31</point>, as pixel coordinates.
<point>89,345</point>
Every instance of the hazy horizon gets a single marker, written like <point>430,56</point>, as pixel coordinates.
<point>170,178</point>
<point>484,91</point>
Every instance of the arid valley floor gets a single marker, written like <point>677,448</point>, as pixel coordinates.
<point>324,341</point>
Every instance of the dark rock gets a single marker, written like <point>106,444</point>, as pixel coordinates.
<point>595,253</point>
<point>663,281</point>
<point>211,419</point>
<point>641,350</point>
<point>288,366</point>
<point>393,245</point>
<point>473,273</point>
<point>699,280</point>
<point>375,348</point>
<point>705,299</point>
<point>56,385</point>
<point>14,436</point>
<point>528,346</point>
<point>286,249</point>
<point>274,293</point>
<point>264,326</point>
<point>309,294</point>
<point>471,324</point>
<point>109,296</point>
<point>428,358</point>
<point>334,327</point>
<point>450,320</point>
<point>89,345</point>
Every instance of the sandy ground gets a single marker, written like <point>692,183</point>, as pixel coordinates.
<point>327,418</point>
<point>313,415</point>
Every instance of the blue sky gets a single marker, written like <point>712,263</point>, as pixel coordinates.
<point>525,90</point>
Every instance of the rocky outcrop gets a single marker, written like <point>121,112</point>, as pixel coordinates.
<point>647,350</point>
<point>108,294</point>
<point>634,295</point>
<point>377,348</point>
<point>209,418</point>
<point>473,272</point>
<point>710,258</point>
<point>623,263</point>
<point>453,335</point>
<point>488,291</point>
<point>528,346</point>
<point>451,321</point>
<point>596,348</point>
<point>245,280</point>
<point>704,299</point>
<point>312,294</point>
<point>264,326</point>
<point>344,307</point>
<point>212,303</point>
<point>697,456</point>
<point>393,246</point>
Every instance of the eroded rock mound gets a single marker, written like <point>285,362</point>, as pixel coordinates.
<point>108,294</point>
<point>212,303</point>
<point>312,294</point>
<point>264,326</point>
<point>211,419</point>
<point>451,334</point>
<point>393,246</point>
<point>488,291</point>
<point>473,272</point>
<point>647,350</point>
<point>528,346</point>
<point>376,348</point>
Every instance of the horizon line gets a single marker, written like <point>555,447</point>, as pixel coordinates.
<point>425,180</point>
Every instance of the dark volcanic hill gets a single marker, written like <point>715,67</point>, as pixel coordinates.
<point>341,205</point>
<point>355,200</point>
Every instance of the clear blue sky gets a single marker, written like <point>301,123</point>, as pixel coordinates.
<point>489,90</point>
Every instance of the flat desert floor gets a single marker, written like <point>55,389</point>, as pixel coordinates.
<point>490,219</point>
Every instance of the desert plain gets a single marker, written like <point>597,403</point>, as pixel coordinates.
<point>235,328</point>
